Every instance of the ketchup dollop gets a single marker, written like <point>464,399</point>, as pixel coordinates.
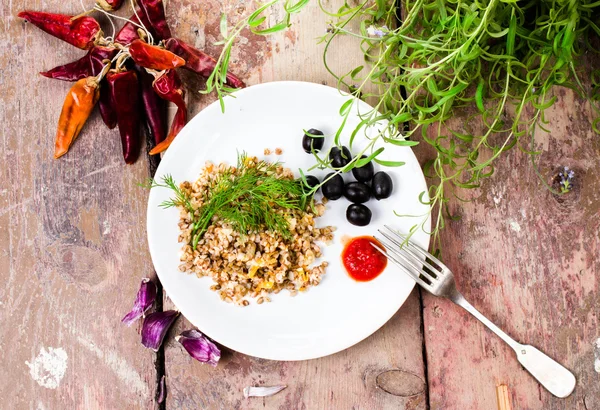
<point>362,261</point>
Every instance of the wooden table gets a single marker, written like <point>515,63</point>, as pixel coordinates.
<point>73,250</point>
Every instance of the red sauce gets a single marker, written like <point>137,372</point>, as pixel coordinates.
<point>363,262</point>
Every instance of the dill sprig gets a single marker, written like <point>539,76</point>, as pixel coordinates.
<point>180,199</point>
<point>251,198</point>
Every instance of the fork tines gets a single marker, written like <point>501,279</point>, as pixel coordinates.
<point>414,260</point>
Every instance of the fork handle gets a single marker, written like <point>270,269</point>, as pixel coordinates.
<point>553,376</point>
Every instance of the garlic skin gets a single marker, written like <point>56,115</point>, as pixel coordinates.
<point>155,328</point>
<point>199,347</point>
<point>162,390</point>
<point>252,391</point>
<point>143,301</point>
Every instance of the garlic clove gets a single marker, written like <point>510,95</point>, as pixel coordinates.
<point>155,328</point>
<point>262,391</point>
<point>199,347</point>
<point>143,300</point>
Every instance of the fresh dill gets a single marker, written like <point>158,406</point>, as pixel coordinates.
<point>251,198</point>
<point>180,199</point>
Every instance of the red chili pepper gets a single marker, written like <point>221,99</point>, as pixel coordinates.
<point>154,57</point>
<point>154,13</point>
<point>154,107</point>
<point>109,5</point>
<point>89,65</point>
<point>124,91</point>
<point>81,32</point>
<point>168,87</point>
<point>198,61</point>
<point>128,32</point>
<point>106,106</point>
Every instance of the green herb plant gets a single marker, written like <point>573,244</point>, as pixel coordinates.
<point>494,62</point>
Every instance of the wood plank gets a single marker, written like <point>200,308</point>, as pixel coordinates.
<point>383,372</point>
<point>72,239</point>
<point>526,259</point>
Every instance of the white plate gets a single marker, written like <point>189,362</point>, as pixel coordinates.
<point>327,318</point>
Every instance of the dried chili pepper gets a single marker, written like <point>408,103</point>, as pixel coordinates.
<point>82,32</point>
<point>89,65</point>
<point>75,111</point>
<point>154,57</point>
<point>105,103</point>
<point>128,32</point>
<point>154,107</point>
<point>109,5</point>
<point>106,106</point>
<point>124,91</point>
<point>97,63</point>
<point>154,13</point>
<point>73,71</point>
<point>168,87</point>
<point>198,61</point>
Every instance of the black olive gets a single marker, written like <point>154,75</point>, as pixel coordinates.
<point>357,192</point>
<point>312,181</point>
<point>339,158</point>
<point>333,188</point>
<point>382,185</point>
<point>310,143</point>
<point>364,173</point>
<point>358,214</point>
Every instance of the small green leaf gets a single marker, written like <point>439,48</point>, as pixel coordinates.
<point>274,29</point>
<point>346,106</point>
<point>364,161</point>
<point>512,32</point>
<point>401,142</point>
<point>256,22</point>
<point>389,163</point>
<point>355,72</point>
<point>295,8</point>
<point>223,25</point>
<point>401,117</point>
<point>479,96</point>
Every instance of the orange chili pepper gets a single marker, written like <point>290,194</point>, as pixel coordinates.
<point>156,58</point>
<point>75,111</point>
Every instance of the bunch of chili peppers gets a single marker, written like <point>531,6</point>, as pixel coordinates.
<point>130,76</point>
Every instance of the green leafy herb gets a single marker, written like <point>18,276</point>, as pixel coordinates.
<point>250,198</point>
<point>216,81</point>
<point>495,63</point>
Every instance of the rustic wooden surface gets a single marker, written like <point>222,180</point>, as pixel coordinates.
<point>72,240</point>
<point>73,246</point>
<point>527,259</point>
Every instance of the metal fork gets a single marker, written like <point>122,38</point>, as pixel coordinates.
<point>436,278</point>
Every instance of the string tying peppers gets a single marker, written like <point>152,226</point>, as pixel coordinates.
<point>130,76</point>
<point>109,5</point>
